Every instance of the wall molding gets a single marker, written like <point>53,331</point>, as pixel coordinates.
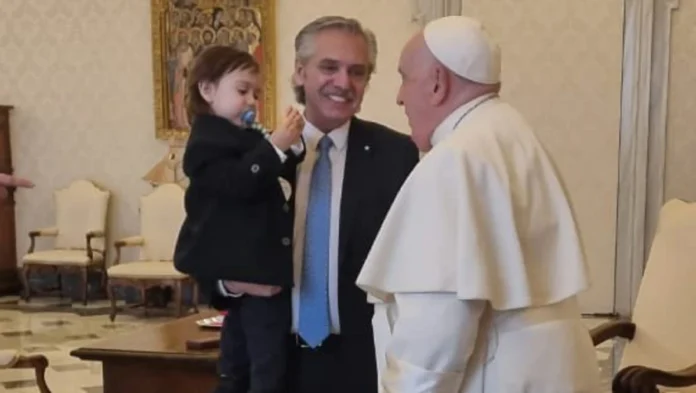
<point>644,92</point>
<point>424,11</point>
<point>659,100</point>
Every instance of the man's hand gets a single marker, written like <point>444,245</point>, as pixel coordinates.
<point>251,289</point>
<point>11,181</point>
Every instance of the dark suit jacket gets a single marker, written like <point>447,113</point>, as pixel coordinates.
<point>238,222</point>
<point>378,161</point>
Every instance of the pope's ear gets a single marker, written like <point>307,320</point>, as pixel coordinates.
<point>439,85</point>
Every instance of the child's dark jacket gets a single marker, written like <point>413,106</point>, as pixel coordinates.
<point>239,224</point>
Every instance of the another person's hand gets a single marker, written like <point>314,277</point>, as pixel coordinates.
<point>248,288</point>
<point>12,181</point>
<point>290,131</point>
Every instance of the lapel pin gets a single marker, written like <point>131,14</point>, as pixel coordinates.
<point>367,148</point>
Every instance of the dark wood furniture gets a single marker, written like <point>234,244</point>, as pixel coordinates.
<point>640,379</point>
<point>155,359</point>
<point>9,279</point>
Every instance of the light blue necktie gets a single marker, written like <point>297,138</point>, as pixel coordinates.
<point>314,291</point>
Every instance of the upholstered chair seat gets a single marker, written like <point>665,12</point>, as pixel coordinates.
<point>161,215</point>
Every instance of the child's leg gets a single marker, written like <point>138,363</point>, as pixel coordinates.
<point>266,322</point>
<point>233,362</point>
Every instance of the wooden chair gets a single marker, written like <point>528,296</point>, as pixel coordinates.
<point>10,358</point>
<point>79,232</point>
<point>161,215</point>
<point>661,350</point>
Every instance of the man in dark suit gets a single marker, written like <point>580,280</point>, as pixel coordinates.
<point>345,186</point>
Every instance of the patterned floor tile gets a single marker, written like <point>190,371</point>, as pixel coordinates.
<point>71,367</point>
<point>17,333</point>
<point>40,349</point>
<point>26,383</point>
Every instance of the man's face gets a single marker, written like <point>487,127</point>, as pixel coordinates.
<point>414,94</point>
<point>334,78</point>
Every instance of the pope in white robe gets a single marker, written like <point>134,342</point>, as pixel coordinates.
<point>478,264</point>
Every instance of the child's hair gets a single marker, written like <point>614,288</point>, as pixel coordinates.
<point>209,66</point>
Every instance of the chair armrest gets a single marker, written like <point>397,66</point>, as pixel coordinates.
<point>52,231</point>
<point>609,330</point>
<point>47,232</point>
<point>132,241</point>
<point>95,233</point>
<point>38,362</point>
<point>91,235</point>
<point>646,379</point>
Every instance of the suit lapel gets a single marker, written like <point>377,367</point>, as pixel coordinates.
<point>358,164</point>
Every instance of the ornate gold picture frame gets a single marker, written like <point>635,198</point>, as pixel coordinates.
<point>182,28</point>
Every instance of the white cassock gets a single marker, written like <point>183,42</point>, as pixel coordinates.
<point>477,267</point>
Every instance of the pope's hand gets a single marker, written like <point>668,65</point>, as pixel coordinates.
<point>248,288</point>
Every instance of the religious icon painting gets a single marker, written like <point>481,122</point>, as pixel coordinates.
<point>183,28</point>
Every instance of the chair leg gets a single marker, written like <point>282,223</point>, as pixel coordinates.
<point>85,285</point>
<point>24,277</point>
<point>39,363</point>
<point>111,292</point>
<point>104,280</point>
<point>59,282</point>
<point>143,297</point>
<point>194,295</point>
<point>179,298</point>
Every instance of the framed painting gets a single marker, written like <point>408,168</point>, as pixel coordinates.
<point>182,28</point>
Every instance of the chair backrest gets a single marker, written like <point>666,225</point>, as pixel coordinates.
<point>80,208</point>
<point>664,322</point>
<point>161,215</point>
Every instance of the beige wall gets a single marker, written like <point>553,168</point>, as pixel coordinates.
<point>562,68</point>
<point>79,73</point>
<point>680,169</point>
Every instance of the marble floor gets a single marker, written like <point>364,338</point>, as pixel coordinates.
<point>55,331</point>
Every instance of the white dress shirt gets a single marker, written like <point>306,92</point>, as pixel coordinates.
<point>337,156</point>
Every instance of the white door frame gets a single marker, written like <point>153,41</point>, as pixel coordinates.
<point>644,95</point>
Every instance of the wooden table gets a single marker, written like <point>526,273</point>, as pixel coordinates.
<point>154,359</point>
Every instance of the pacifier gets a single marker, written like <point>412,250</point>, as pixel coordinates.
<point>248,117</point>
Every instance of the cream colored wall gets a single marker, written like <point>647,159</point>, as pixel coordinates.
<point>562,69</point>
<point>680,166</point>
<point>79,73</point>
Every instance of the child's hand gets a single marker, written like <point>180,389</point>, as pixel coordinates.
<point>290,131</point>
<point>248,288</point>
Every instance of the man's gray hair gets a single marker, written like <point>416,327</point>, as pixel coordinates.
<point>304,48</point>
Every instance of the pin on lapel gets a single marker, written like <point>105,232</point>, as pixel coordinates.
<point>367,147</point>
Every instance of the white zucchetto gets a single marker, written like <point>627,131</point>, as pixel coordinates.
<point>463,46</point>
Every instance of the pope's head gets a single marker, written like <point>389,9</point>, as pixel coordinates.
<point>450,62</point>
